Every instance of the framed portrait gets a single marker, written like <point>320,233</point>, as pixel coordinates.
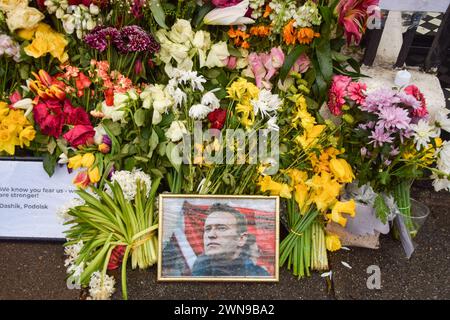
<point>218,238</point>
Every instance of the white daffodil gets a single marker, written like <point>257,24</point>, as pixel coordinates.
<point>233,15</point>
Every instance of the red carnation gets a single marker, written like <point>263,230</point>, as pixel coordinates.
<point>79,135</point>
<point>49,117</point>
<point>217,118</point>
<point>75,116</point>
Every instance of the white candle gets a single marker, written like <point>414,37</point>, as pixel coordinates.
<point>402,78</point>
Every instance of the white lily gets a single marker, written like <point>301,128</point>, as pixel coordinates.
<point>233,15</point>
<point>25,104</point>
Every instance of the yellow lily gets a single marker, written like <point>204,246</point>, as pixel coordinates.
<point>341,170</point>
<point>347,207</point>
<point>333,243</point>
<point>275,188</point>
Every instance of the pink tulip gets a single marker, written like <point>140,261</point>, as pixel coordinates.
<point>231,62</point>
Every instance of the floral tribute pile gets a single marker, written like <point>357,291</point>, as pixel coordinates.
<point>110,89</point>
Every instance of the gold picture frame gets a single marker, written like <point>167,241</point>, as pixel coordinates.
<point>182,218</point>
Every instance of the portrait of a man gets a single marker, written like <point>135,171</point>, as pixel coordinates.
<point>203,237</point>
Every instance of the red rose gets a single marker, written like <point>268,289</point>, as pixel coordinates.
<point>49,117</point>
<point>79,135</point>
<point>217,118</point>
<point>75,116</point>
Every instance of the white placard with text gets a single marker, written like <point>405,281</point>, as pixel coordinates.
<point>29,199</point>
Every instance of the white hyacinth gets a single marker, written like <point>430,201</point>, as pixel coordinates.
<point>63,211</point>
<point>128,182</point>
<point>101,288</point>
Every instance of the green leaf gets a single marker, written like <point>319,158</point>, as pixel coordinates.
<point>323,52</point>
<point>51,146</point>
<point>202,13</point>
<point>173,155</point>
<point>153,141</point>
<point>49,164</point>
<point>158,13</point>
<point>290,60</point>
<point>381,209</point>
<point>139,117</point>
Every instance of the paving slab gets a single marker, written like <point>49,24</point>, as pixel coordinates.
<point>424,276</point>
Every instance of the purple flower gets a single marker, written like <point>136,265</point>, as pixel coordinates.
<point>394,151</point>
<point>136,9</point>
<point>106,140</point>
<point>135,39</point>
<point>409,100</point>
<point>380,98</point>
<point>100,38</point>
<point>393,118</point>
<point>380,137</point>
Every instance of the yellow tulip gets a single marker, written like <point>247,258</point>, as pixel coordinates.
<point>347,207</point>
<point>94,175</point>
<point>333,242</point>
<point>87,160</point>
<point>341,170</point>
<point>75,162</point>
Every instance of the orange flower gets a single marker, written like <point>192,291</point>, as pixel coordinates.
<point>306,35</point>
<point>267,11</point>
<point>245,45</point>
<point>260,31</point>
<point>289,35</point>
<point>239,37</point>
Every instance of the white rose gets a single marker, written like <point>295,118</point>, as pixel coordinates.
<point>218,55</point>
<point>176,131</point>
<point>202,40</point>
<point>11,5</point>
<point>179,52</point>
<point>68,23</point>
<point>23,18</point>
<point>181,31</point>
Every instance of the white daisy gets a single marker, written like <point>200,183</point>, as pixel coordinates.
<point>266,103</point>
<point>423,132</point>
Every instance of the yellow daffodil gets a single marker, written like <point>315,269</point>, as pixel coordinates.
<point>7,142</point>
<point>26,136</point>
<point>75,162</point>
<point>275,188</point>
<point>310,137</point>
<point>94,175</point>
<point>245,114</point>
<point>242,91</point>
<point>339,208</point>
<point>341,170</point>
<point>87,160</point>
<point>333,242</point>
